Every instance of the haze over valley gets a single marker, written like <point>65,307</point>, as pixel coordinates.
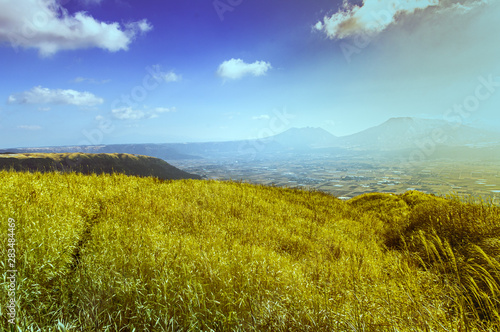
<point>398,155</point>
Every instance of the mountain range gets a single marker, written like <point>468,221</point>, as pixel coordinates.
<point>395,134</point>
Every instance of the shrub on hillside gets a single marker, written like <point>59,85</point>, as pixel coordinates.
<point>460,242</point>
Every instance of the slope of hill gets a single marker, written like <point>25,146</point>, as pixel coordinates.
<point>94,163</point>
<point>162,151</point>
<point>118,253</point>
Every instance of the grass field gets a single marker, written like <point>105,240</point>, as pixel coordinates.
<point>119,253</point>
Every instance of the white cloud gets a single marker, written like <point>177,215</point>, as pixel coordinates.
<point>171,77</point>
<point>40,95</point>
<point>161,76</point>
<point>236,68</point>
<point>47,26</point>
<point>374,16</point>
<point>261,117</point>
<point>29,127</point>
<point>139,27</point>
<point>164,110</point>
<point>463,7</point>
<point>127,113</point>
<point>44,109</point>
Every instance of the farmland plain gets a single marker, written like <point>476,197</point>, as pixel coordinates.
<point>350,177</point>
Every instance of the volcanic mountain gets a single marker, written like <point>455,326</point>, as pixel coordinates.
<point>305,138</point>
<point>406,132</point>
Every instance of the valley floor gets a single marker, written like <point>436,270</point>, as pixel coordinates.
<point>351,177</point>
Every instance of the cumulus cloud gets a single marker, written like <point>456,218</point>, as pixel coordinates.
<point>374,16</point>
<point>48,27</point>
<point>236,68</point>
<point>128,113</point>
<point>40,95</point>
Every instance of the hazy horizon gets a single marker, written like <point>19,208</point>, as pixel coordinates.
<point>108,72</point>
<point>451,124</point>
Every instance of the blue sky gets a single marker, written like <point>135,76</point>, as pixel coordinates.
<point>115,71</point>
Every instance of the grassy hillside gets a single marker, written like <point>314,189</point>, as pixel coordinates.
<point>118,253</point>
<point>98,163</point>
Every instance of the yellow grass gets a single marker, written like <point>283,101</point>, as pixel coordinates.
<point>118,253</point>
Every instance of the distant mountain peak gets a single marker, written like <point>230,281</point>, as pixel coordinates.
<point>305,137</point>
<point>409,132</point>
<point>401,119</point>
<point>307,129</point>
